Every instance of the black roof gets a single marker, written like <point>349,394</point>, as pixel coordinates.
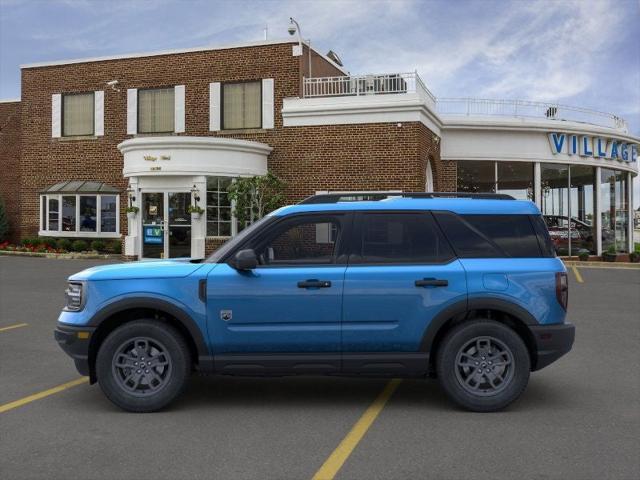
<point>81,186</point>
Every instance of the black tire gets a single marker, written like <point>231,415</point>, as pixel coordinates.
<point>476,346</point>
<point>167,365</point>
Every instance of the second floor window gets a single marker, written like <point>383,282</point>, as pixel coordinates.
<point>241,105</point>
<point>77,114</point>
<point>156,110</point>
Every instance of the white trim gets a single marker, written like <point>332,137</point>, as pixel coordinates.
<point>214,107</point>
<point>630,210</point>
<point>9,100</point>
<point>77,233</point>
<point>132,111</point>
<point>171,52</point>
<point>98,112</point>
<point>179,100</point>
<point>268,103</point>
<point>56,115</point>
<point>598,213</point>
<point>391,108</point>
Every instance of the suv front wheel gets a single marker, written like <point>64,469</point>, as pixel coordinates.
<point>143,365</point>
<point>483,365</point>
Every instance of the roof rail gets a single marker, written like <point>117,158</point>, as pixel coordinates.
<point>374,196</point>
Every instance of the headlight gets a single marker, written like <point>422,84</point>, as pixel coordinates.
<point>73,295</point>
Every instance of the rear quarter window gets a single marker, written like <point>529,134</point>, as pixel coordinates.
<point>490,236</point>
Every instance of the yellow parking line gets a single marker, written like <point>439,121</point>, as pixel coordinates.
<point>11,327</point>
<point>334,463</point>
<point>577,274</point>
<point>37,396</point>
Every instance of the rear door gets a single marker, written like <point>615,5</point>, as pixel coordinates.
<point>401,274</point>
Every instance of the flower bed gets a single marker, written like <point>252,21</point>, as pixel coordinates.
<point>46,246</point>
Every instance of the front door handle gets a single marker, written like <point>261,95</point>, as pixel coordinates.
<point>314,284</point>
<point>432,282</point>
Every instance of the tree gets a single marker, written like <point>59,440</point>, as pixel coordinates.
<point>4,222</point>
<point>254,197</point>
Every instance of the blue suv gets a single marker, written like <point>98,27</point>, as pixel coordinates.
<point>465,288</point>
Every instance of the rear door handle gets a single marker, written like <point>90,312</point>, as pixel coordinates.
<point>314,284</point>
<point>432,282</point>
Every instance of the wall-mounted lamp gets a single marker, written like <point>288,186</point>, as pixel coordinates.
<point>132,195</point>
<point>195,194</point>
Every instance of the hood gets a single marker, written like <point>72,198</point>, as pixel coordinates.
<point>139,270</point>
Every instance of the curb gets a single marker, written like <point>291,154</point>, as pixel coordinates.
<point>610,265</point>
<point>64,256</point>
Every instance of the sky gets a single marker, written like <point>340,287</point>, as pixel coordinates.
<point>584,53</point>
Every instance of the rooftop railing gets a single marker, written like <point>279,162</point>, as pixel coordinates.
<point>401,83</point>
<point>528,109</point>
<point>357,85</point>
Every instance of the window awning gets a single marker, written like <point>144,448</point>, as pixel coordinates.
<point>81,186</point>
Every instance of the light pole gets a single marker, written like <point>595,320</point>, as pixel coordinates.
<point>294,27</point>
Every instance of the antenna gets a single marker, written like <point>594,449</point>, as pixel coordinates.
<point>266,32</point>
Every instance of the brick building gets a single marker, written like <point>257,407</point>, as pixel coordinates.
<point>163,130</point>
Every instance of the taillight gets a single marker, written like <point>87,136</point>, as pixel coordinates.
<point>562,289</point>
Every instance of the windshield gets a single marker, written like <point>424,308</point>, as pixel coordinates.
<point>221,252</point>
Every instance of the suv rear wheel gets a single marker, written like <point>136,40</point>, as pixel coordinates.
<point>483,365</point>
<point>143,365</point>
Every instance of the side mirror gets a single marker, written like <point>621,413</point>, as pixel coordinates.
<point>245,260</point>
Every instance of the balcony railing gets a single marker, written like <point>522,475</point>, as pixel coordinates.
<point>357,85</point>
<point>401,83</point>
<point>528,109</point>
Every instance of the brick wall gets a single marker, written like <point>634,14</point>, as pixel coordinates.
<point>10,161</point>
<point>339,157</point>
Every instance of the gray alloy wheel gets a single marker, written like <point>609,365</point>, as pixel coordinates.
<point>483,365</point>
<point>143,365</point>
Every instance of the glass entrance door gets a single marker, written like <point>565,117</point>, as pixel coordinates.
<point>166,225</point>
<point>153,216</point>
<point>179,225</point>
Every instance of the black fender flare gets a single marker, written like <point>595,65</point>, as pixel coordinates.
<point>155,304</point>
<point>462,307</point>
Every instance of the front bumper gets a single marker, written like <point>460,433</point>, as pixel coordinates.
<point>75,343</point>
<point>552,342</point>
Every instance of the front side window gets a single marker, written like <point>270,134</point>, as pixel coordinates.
<point>297,243</point>
<point>78,114</point>
<point>402,238</point>
<point>241,105</point>
<point>156,110</point>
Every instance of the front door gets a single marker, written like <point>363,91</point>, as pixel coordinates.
<point>166,225</point>
<point>400,276</point>
<point>291,303</point>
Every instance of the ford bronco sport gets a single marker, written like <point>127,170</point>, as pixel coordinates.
<point>465,288</point>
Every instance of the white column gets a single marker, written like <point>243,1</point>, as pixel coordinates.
<point>199,226</point>
<point>98,112</point>
<point>598,213</point>
<point>630,211</point>
<point>179,100</point>
<point>56,115</point>
<point>537,185</point>
<point>132,111</point>
<point>133,242</point>
<point>214,106</point>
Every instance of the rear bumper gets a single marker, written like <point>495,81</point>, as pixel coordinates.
<point>75,343</point>
<point>552,342</point>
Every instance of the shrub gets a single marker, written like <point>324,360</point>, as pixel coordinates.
<point>583,255</point>
<point>29,241</point>
<point>115,247</point>
<point>47,242</point>
<point>64,244</point>
<point>98,245</point>
<point>79,246</point>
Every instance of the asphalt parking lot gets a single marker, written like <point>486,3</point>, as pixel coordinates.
<point>578,419</point>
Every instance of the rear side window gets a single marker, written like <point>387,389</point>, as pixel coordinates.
<point>544,240</point>
<point>401,238</point>
<point>491,236</point>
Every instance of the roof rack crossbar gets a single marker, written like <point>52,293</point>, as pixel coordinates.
<point>373,196</point>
